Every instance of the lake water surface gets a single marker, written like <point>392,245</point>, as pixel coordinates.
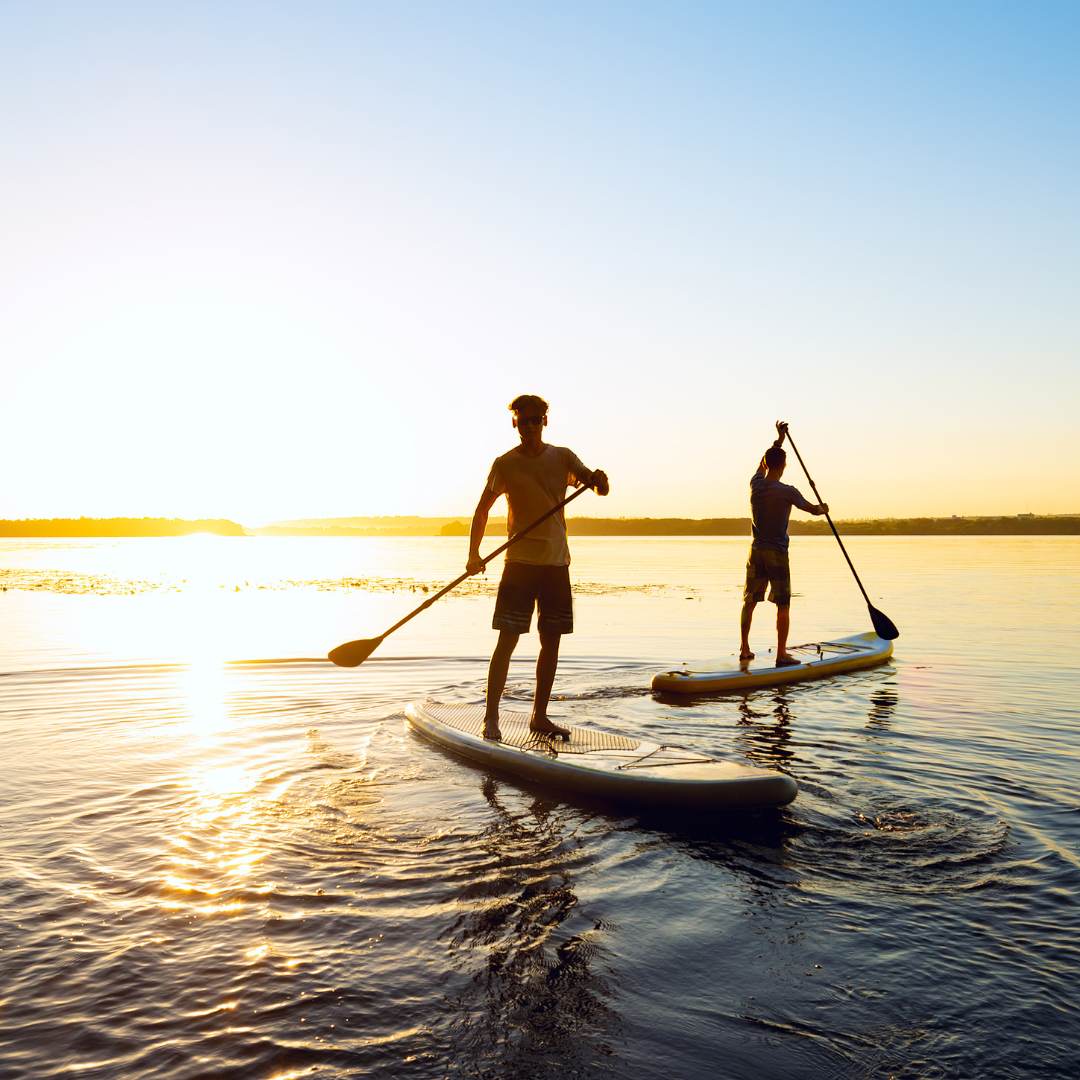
<point>223,857</point>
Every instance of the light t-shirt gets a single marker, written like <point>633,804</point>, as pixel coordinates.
<point>533,485</point>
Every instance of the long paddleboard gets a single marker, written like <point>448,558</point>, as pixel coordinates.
<point>600,763</point>
<point>817,660</point>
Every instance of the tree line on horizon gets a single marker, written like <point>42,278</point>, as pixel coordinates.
<point>1018,525</point>
<point>100,527</point>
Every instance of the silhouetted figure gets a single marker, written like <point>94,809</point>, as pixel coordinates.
<point>770,507</point>
<point>534,477</point>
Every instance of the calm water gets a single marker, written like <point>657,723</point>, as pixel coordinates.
<point>223,857</point>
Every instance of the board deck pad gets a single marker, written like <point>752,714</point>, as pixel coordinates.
<point>600,763</point>
<point>514,728</point>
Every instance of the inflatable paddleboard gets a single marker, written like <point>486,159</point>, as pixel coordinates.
<point>817,660</point>
<point>599,763</point>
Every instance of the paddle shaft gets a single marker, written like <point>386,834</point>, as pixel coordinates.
<point>487,558</point>
<point>829,520</point>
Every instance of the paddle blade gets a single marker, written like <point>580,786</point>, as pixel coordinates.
<point>353,653</point>
<point>884,627</point>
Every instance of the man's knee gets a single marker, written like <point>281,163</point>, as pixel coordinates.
<point>550,639</point>
<point>507,642</point>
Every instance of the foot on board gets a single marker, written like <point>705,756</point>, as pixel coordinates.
<point>544,726</point>
<point>787,660</point>
<point>746,654</point>
<point>491,730</point>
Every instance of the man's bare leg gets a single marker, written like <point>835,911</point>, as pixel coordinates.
<point>497,669</point>
<point>745,620</point>
<point>783,624</point>
<point>546,663</point>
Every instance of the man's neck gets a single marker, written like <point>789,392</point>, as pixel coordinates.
<point>532,449</point>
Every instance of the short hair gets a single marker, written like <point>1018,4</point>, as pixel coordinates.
<point>775,456</point>
<point>529,401</point>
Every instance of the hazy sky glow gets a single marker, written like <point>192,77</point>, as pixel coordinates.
<point>266,261</point>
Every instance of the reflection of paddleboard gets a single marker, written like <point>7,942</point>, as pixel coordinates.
<point>816,661</point>
<point>599,763</point>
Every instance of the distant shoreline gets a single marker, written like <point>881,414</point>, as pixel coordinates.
<point>90,528</point>
<point>85,527</point>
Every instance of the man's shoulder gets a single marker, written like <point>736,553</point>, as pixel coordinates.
<point>760,482</point>
<point>513,457</point>
<point>550,453</point>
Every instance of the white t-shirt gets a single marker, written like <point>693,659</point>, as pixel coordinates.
<point>533,485</point>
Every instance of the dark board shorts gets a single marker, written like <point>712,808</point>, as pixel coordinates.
<point>523,587</point>
<point>767,566</point>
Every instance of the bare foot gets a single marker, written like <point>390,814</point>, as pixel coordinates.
<point>786,660</point>
<point>543,726</point>
<point>491,730</point>
<point>746,654</point>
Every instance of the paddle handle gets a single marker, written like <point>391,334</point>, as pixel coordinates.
<point>483,562</point>
<point>829,519</point>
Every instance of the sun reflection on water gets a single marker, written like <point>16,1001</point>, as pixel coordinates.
<point>223,781</point>
<point>211,860</point>
<point>203,689</point>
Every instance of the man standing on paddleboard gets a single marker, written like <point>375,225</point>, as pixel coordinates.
<point>770,506</point>
<point>534,477</point>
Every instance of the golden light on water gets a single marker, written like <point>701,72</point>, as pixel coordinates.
<point>203,691</point>
<point>224,781</point>
<point>212,860</point>
<point>211,857</point>
<point>210,852</point>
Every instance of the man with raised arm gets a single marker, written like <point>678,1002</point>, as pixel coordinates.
<point>770,506</point>
<point>534,477</point>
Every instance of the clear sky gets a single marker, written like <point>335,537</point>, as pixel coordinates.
<point>280,260</point>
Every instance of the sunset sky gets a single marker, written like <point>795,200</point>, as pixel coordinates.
<point>270,261</point>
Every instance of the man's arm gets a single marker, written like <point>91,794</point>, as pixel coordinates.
<point>598,481</point>
<point>781,433</point>
<point>797,499</point>
<point>474,563</point>
<point>591,478</point>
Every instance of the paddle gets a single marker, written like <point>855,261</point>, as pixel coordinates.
<point>883,625</point>
<point>354,653</point>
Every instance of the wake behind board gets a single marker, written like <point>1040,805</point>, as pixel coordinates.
<point>817,660</point>
<point>599,763</point>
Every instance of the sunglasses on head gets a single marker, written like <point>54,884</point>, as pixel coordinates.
<point>523,420</point>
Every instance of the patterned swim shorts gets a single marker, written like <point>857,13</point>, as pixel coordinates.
<point>767,566</point>
<point>525,586</point>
